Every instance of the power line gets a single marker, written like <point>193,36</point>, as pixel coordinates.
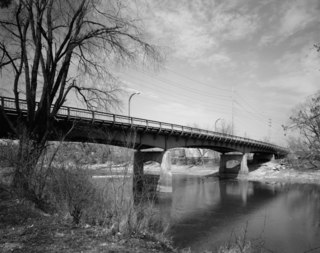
<point>249,113</point>
<point>190,101</point>
<point>184,87</point>
<point>174,94</point>
<point>251,107</point>
<point>171,93</point>
<point>197,81</point>
<point>262,115</point>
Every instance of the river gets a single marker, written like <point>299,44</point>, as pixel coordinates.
<point>205,212</point>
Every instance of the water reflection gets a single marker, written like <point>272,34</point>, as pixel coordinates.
<point>205,211</point>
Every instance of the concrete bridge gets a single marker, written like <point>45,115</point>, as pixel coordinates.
<point>142,134</point>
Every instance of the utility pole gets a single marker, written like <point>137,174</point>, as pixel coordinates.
<point>232,110</point>
<point>270,126</point>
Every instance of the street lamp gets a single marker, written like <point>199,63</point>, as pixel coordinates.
<point>135,93</point>
<point>215,124</point>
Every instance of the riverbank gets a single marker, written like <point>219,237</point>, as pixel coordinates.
<point>24,228</point>
<point>277,172</point>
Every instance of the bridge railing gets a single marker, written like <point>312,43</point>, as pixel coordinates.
<point>79,113</point>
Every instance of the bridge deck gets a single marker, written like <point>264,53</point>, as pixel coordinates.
<point>78,114</point>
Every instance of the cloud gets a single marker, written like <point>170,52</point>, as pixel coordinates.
<point>294,87</point>
<point>233,25</point>
<point>296,17</point>
<point>288,18</point>
<point>183,31</point>
<point>198,29</point>
<point>305,61</point>
<point>266,40</point>
<point>219,60</point>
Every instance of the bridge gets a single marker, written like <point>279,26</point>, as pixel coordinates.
<point>142,134</point>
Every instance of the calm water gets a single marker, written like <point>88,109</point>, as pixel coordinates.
<point>206,212</point>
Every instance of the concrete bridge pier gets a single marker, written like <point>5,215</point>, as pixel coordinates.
<point>262,157</point>
<point>233,165</point>
<point>164,181</point>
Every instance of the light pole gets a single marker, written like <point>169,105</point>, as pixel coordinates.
<point>270,126</point>
<point>232,111</point>
<point>135,93</point>
<point>215,124</point>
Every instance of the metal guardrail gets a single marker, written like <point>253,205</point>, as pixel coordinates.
<point>78,113</point>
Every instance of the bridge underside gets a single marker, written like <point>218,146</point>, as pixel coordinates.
<point>143,138</point>
<point>137,138</point>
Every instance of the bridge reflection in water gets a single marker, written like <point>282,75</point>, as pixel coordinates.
<point>207,212</point>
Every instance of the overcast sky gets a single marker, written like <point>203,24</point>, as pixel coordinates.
<point>251,61</point>
<point>263,50</point>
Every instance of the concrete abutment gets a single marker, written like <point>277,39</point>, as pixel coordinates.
<point>239,169</point>
<point>140,180</point>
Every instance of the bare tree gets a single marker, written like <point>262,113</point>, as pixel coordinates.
<point>306,119</point>
<point>55,49</point>
<point>201,152</point>
<point>224,127</point>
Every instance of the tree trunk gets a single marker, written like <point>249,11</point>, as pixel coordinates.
<point>29,153</point>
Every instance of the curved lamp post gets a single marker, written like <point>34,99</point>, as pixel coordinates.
<point>135,93</point>
<point>215,124</point>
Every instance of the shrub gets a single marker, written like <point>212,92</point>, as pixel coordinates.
<point>8,153</point>
<point>73,189</point>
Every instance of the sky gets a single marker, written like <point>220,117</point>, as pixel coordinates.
<point>249,62</point>
<point>245,63</point>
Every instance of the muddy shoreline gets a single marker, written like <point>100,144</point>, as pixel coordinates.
<point>275,172</point>
<point>269,172</point>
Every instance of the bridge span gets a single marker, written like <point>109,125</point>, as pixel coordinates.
<point>142,134</point>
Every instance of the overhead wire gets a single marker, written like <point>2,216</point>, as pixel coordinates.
<point>275,123</point>
<point>184,87</point>
<point>250,107</point>
<point>255,111</point>
<point>244,131</point>
<point>197,81</point>
<point>192,94</point>
<point>249,113</point>
<point>173,93</point>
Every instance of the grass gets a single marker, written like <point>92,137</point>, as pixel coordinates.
<point>86,214</point>
<point>25,228</point>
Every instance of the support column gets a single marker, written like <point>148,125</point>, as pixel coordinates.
<point>165,180</point>
<point>244,165</point>
<point>241,169</point>
<point>138,161</point>
<point>164,184</point>
<point>223,163</point>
